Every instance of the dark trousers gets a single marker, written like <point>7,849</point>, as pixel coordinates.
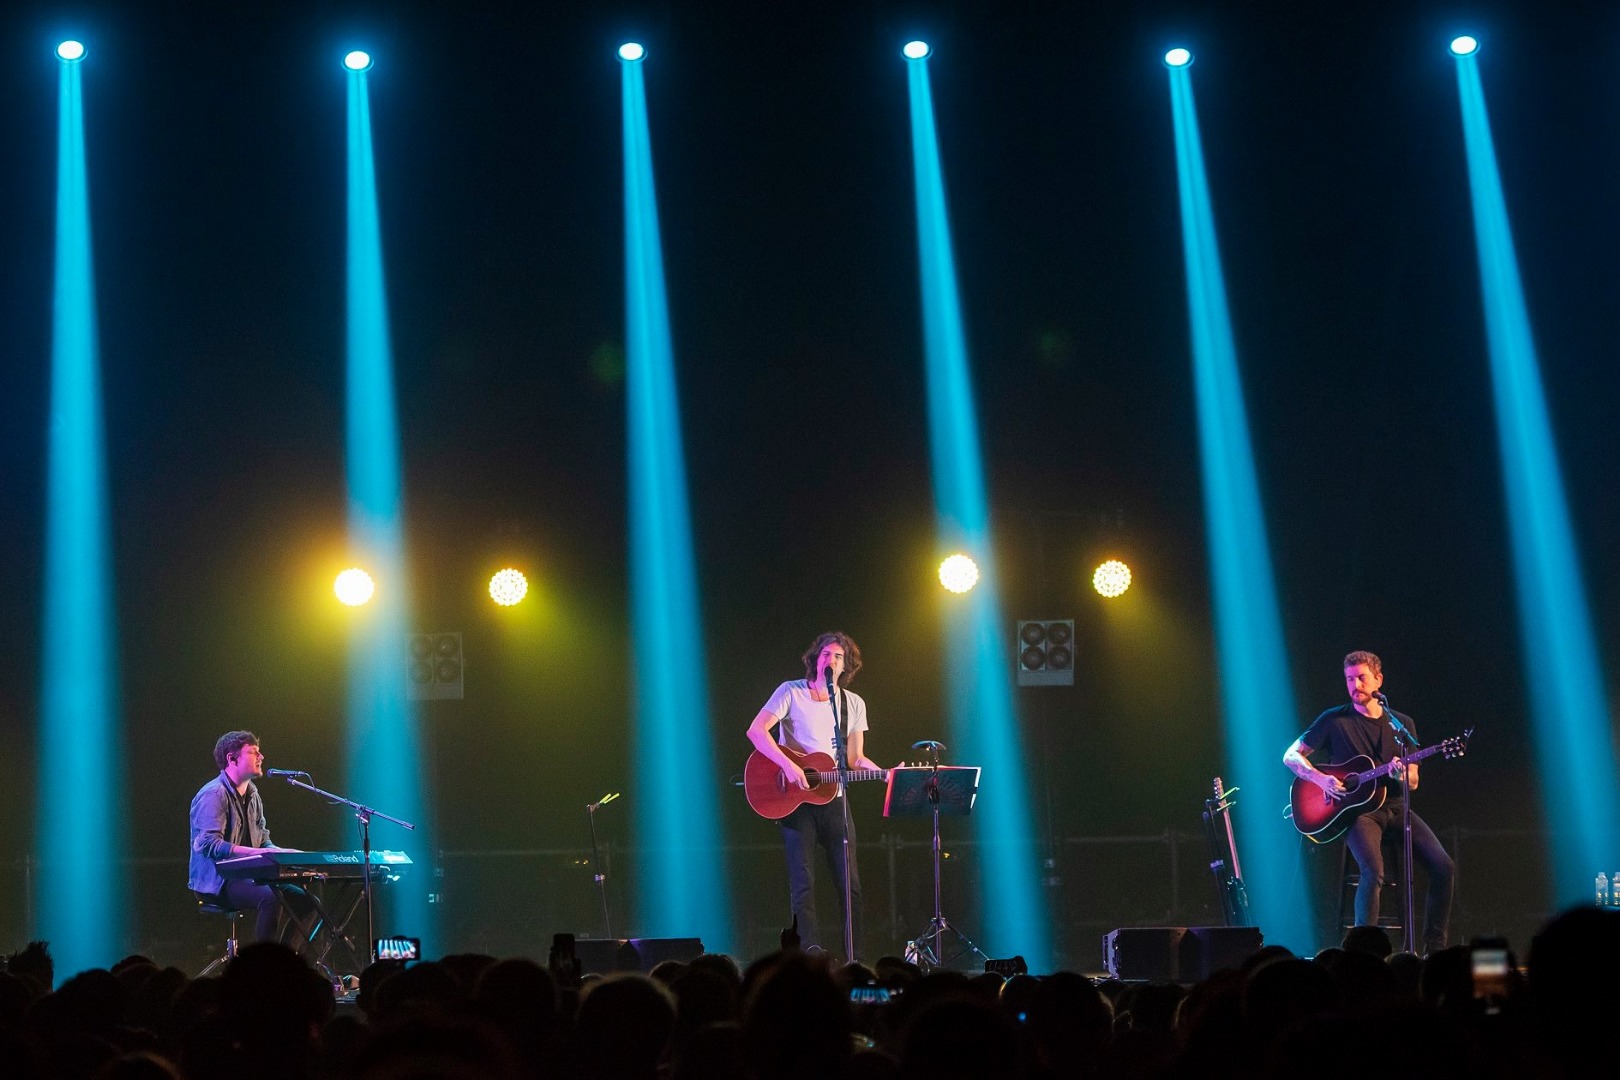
<point>1366,843</point>
<point>812,824</point>
<point>266,903</point>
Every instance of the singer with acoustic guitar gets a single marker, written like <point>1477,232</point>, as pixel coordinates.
<point>1364,727</point>
<point>801,712</point>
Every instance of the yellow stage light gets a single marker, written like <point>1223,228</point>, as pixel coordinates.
<point>1112,578</point>
<point>508,587</point>
<point>958,573</point>
<point>354,586</point>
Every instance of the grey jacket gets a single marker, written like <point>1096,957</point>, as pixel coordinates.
<point>219,819</point>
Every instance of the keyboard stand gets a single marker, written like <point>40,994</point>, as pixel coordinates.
<point>326,934</point>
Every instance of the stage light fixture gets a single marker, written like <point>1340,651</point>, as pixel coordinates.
<point>357,60</point>
<point>508,586</point>
<point>1177,58</point>
<point>1561,650</point>
<point>679,833</point>
<point>958,574</point>
<point>1464,46</point>
<point>1248,620</point>
<point>70,50</point>
<point>354,586</point>
<point>631,51</point>
<point>1111,579</point>
<point>981,703</point>
<point>915,50</point>
<point>81,903</point>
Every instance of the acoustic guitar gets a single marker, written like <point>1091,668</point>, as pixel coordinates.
<point>1323,818</point>
<point>773,797</point>
<point>1223,856</point>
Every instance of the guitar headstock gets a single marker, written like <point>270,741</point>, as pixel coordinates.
<point>1220,792</point>
<point>1457,745</point>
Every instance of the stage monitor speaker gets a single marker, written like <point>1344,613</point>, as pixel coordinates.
<point>655,950</point>
<point>602,956</point>
<point>1217,948</point>
<point>1177,953</point>
<point>1144,953</point>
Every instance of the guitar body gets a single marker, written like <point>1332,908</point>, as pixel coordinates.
<point>1324,819</point>
<point>772,797</point>
<point>769,792</point>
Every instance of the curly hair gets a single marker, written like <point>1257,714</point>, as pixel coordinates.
<point>1361,656</point>
<point>229,743</point>
<point>852,656</point>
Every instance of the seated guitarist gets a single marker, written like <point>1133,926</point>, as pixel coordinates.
<point>803,714</point>
<point>1362,727</point>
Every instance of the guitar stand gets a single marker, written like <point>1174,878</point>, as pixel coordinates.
<point>935,790</point>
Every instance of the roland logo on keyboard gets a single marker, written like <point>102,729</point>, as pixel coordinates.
<point>376,857</point>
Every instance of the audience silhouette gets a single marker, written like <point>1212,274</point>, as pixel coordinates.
<point>790,1015</point>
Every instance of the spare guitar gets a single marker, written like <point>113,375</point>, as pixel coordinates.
<point>770,794</point>
<point>1323,818</point>
<point>1223,856</point>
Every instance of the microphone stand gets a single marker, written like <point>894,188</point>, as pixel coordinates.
<point>1403,738</point>
<point>596,860</point>
<point>364,814</point>
<point>841,754</point>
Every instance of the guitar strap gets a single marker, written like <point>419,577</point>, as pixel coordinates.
<point>843,724</point>
<point>841,736</point>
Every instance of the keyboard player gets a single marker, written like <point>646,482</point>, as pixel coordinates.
<point>227,820</point>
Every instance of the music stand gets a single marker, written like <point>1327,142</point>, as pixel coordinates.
<point>934,790</point>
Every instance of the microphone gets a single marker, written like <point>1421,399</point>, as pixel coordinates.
<point>285,772</point>
<point>831,680</point>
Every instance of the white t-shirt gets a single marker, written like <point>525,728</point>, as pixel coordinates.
<point>807,724</point>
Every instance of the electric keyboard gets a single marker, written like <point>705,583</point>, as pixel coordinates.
<point>304,865</point>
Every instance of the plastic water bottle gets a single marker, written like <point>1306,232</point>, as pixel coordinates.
<point>1614,900</point>
<point>1602,889</point>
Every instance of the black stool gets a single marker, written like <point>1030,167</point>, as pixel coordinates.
<point>231,915</point>
<point>1391,909</point>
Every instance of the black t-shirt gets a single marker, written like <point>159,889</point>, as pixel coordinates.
<point>1342,733</point>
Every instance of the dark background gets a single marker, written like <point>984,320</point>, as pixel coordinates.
<point>216,155</point>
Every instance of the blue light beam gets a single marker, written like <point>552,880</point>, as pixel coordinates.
<point>1574,743</point>
<point>984,721</point>
<point>681,875</point>
<point>1248,626</point>
<point>81,892</point>
<point>384,755</point>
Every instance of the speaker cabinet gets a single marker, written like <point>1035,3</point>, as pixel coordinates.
<point>1176,953</point>
<point>601,956</point>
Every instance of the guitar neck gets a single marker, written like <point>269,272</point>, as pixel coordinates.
<point>849,776</point>
<point>1388,768</point>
